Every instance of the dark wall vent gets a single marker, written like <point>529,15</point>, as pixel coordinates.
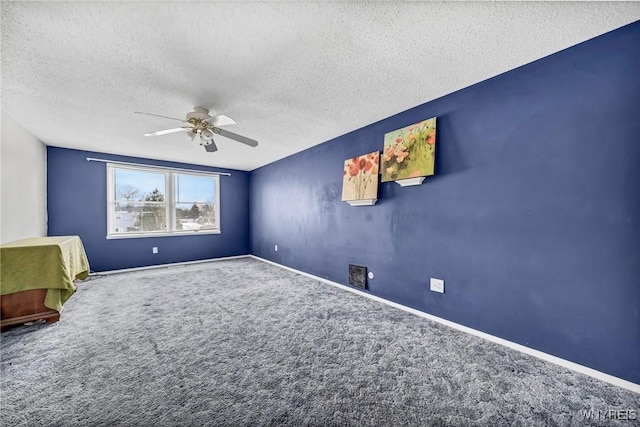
<point>358,276</point>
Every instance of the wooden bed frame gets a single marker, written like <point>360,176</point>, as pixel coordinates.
<point>25,306</point>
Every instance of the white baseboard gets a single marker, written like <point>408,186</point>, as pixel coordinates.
<point>175,264</point>
<point>527,350</point>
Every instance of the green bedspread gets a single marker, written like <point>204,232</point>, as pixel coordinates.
<point>51,263</point>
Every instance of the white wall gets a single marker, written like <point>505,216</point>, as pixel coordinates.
<point>23,193</point>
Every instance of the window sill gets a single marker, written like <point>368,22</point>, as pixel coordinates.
<point>160,234</point>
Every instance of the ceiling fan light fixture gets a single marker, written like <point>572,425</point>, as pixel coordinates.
<point>206,136</point>
<point>207,142</point>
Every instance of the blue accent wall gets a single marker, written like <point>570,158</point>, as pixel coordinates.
<point>532,218</point>
<point>77,204</point>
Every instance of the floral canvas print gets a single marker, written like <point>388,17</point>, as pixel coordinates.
<point>409,152</point>
<point>360,177</point>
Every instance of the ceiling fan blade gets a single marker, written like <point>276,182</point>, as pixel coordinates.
<point>157,115</point>
<point>239,138</point>
<point>167,131</point>
<point>220,120</point>
<point>211,147</point>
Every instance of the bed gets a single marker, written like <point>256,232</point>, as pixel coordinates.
<point>37,276</point>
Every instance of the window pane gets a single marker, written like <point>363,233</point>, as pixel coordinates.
<point>139,185</point>
<point>138,217</point>
<point>140,204</point>
<point>195,216</point>
<point>195,208</point>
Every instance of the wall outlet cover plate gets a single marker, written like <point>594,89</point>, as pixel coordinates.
<point>437,285</point>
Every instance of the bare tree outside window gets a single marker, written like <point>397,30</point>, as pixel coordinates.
<point>128,192</point>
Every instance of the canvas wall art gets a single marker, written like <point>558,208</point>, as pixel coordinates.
<point>360,177</point>
<point>410,152</point>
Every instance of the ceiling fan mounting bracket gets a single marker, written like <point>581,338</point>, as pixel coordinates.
<point>198,113</point>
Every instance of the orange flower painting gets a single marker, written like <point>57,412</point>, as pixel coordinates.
<point>360,177</point>
<point>410,152</point>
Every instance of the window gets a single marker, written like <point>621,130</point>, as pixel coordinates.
<point>147,201</point>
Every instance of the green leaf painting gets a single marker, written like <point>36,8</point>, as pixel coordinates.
<point>410,152</point>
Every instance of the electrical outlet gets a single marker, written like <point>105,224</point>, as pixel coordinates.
<point>155,249</point>
<point>276,248</point>
<point>437,285</point>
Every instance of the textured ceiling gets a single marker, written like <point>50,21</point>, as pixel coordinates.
<point>291,74</point>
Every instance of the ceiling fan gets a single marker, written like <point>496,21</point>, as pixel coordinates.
<point>199,122</point>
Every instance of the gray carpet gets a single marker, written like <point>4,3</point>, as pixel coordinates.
<point>241,342</point>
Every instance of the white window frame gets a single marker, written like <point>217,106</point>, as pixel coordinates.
<point>170,202</point>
